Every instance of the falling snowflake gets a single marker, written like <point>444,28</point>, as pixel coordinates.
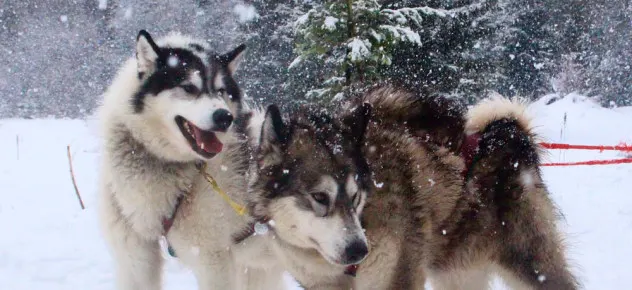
<point>245,13</point>
<point>337,149</point>
<point>173,61</point>
<point>103,4</point>
<point>128,13</point>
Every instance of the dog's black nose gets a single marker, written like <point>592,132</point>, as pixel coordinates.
<point>355,252</point>
<point>222,120</point>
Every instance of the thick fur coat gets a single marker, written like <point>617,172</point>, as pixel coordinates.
<point>435,215</point>
<point>148,170</point>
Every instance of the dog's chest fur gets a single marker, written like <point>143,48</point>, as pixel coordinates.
<point>147,187</point>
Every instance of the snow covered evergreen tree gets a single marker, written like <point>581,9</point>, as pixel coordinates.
<point>460,58</point>
<point>346,44</point>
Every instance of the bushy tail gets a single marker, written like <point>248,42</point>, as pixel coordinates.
<point>505,170</point>
<point>506,160</point>
<point>494,109</point>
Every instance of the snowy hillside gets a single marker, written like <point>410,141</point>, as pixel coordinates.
<point>48,242</point>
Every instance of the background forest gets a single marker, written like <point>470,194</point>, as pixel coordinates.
<point>59,55</point>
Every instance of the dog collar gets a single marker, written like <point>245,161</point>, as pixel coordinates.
<point>258,227</point>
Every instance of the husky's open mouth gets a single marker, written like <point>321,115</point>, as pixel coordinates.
<point>201,141</point>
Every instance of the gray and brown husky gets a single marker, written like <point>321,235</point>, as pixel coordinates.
<point>453,196</point>
<point>461,197</point>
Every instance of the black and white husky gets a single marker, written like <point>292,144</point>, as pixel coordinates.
<point>169,109</point>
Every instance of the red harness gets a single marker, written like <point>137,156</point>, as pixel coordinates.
<point>468,152</point>
<point>167,222</point>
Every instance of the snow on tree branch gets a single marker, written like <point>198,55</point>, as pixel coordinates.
<point>355,38</point>
<point>360,49</point>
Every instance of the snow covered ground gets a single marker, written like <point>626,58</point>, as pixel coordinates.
<point>48,242</point>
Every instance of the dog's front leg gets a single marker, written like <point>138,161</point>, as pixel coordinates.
<point>257,265</point>
<point>139,264</point>
<point>215,270</point>
<point>138,260</point>
<point>255,251</point>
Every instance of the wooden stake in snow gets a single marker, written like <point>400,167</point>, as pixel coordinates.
<point>72,176</point>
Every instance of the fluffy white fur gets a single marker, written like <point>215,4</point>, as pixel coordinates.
<point>494,108</point>
<point>145,167</point>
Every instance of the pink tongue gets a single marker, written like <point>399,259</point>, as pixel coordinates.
<point>210,141</point>
<point>212,144</point>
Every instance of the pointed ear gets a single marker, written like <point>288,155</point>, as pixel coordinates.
<point>223,68</point>
<point>358,122</point>
<point>233,58</point>
<point>146,53</point>
<point>274,138</point>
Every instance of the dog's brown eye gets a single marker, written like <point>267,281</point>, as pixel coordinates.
<point>321,197</point>
<point>190,89</point>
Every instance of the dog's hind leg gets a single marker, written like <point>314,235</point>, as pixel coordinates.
<point>138,260</point>
<point>530,249</point>
<point>537,263</point>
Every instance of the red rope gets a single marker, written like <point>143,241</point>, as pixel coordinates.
<point>621,147</point>
<point>591,162</point>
